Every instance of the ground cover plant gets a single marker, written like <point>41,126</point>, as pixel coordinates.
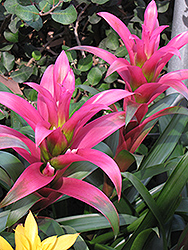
<point>91,147</point>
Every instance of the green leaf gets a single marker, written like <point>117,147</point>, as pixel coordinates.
<point>2,12</point>
<point>20,208</point>
<point>148,199</point>
<point>36,55</point>
<point>71,54</point>
<point>11,37</point>
<point>22,74</point>
<point>112,41</point>
<point>3,219</point>
<point>168,199</point>
<point>166,142</point>
<point>163,103</point>
<point>162,6</point>
<point>66,16</point>
<point>26,2</point>
<point>10,6</point>
<point>2,68</point>
<point>89,89</point>
<point>14,24</point>
<point>8,60</point>
<point>149,173</point>
<point>111,78</point>
<point>112,141</point>
<point>37,24</point>
<point>183,240</point>
<point>169,195</point>
<point>80,170</point>
<point>5,180</point>
<point>94,19</point>
<point>103,147</point>
<point>26,13</point>
<point>94,76</point>
<point>86,63</point>
<point>140,240</point>
<point>99,1</point>
<point>6,47</point>
<point>28,131</point>
<point>121,51</point>
<point>124,159</point>
<point>53,2</point>
<point>90,222</point>
<point>44,5</point>
<point>11,165</point>
<point>50,227</point>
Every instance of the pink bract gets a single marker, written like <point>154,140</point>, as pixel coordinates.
<point>146,58</point>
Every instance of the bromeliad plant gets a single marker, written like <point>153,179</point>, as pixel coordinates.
<point>142,75</point>
<point>61,139</point>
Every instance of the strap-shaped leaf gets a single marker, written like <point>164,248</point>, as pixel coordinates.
<point>167,200</point>
<point>166,142</point>
<point>89,222</point>
<point>149,201</point>
<point>11,165</point>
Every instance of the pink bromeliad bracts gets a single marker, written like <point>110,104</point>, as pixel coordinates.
<point>141,74</point>
<point>61,139</point>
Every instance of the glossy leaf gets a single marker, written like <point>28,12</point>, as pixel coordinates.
<point>148,199</point>
<point>166,143</point>
<point>66,16</point>
<point>5,180</point>
<point>3,219</point>
<point>8,60</point>
<point>90,222</point>
<point>167,200</point>
<point>85,64</point>
<point>22,74</point>
<point>27,13</point>
<point>112,41</point>
<point>11,165</point>
<point>11,37</point>
<point>140,240</point>
<point>50,226</point>
<point>94,76</point>
<point>100,1</point>
<point>20,208</point>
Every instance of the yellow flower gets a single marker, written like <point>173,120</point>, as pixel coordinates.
<point>27,238</point>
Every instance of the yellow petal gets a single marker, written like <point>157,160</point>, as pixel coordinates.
<point>20,229</point>
<point>4,245</point>
<point>21,241</point>
<point>48,244</point>
<point>64,242</point>
<point>31,230</point>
